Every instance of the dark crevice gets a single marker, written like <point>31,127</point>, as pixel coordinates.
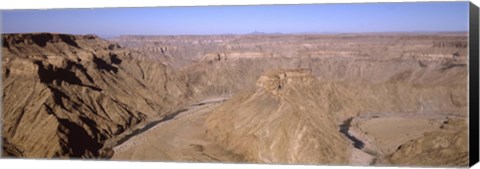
<point>93,126</point>
<point>103,65</point>
<point>42,39</point>
<point>49,109</point>
<point>344,129</point>
<point>114,58</point>
<point>78,143</point>
<point>7,73</point>
<point>58,95</point>
<point>81,68</point>
<point>69,40</point>
<point>5,43</point>
<point>120,129</point>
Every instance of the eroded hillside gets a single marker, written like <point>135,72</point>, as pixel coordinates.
<point>371,99</point>
<point>284,121</point>
<point>64,95</point>
<point>355,82</point>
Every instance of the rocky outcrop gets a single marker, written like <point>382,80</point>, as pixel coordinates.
<point>283,121</point>
<point>66,95</point>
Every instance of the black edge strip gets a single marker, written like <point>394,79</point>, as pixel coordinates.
<point>473,85</point>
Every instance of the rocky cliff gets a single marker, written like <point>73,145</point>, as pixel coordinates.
<point>65,95</point>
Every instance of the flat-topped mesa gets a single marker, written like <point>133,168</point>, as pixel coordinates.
<point>278,80</point>
<point>286,120</point>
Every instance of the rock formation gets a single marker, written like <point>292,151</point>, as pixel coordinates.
<point>64,95</point>
<point>283,121</point>
<point>299,99</point>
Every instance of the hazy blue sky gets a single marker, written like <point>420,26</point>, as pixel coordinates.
<point>319,18</point>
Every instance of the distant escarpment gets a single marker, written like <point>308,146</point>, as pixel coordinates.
<point>65,95</point>
<point>229,63</point>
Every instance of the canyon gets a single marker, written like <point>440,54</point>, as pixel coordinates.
<point>325,99</point>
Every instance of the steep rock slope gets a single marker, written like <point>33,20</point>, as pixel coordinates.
<point>283,121</point>
<point>64,95</point>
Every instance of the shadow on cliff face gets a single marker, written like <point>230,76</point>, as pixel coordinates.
<point>114,58</point>
<point>69,40</point>
<point>43,38</point>
<point>5,43</point>
<point>48,74</point>
<point>77,142</point>
<point>58,96</point>
<point>103,65</point>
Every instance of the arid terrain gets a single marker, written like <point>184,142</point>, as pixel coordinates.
<point>332,99</point>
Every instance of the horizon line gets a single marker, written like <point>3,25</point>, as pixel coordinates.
<point>254,33</point>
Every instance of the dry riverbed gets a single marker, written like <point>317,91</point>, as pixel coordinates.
<point>181,138</point>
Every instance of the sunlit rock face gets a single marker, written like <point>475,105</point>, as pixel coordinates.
<point>64,95</point>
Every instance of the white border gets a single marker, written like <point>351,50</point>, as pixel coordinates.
<point>83,164</point>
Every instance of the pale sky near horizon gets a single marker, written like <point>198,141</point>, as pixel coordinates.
<point>305,18</point>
